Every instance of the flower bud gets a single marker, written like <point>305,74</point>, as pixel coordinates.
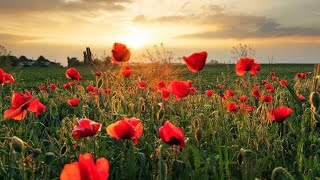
<point>36,152</point>
<point>314,99</point>
<point>198,134</point>
<point>49,157</point>
<point>17,144</point>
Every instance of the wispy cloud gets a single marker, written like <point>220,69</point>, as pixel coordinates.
<point>25,6</point>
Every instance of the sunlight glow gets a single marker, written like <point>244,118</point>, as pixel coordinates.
<point>136,38</point>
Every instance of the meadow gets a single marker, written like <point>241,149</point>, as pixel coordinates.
<point>220,141</point>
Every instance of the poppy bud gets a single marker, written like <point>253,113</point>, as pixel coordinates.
<point>17,144</point>
<point>240,157</point>
<point>36,152</point>
<point>49,157</point>
<point>285,144</point>
<point>314,99</point>
<point>198,134</point>
<point>313,147</point>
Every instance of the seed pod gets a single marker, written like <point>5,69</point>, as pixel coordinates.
<point>313,147</point>
<point>240,157</point>
<point>17,144</point>
<point>285,144</point>
<point>36,152</point>
<point>49,157</point>
<point>314,99</point>
<point>198,134</point>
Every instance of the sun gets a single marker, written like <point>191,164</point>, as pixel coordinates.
<point>136,38</point>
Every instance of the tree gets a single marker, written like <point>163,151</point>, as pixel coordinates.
<point>73,61</point>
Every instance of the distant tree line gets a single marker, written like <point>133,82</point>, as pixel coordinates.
<point>8,60</point>
<point>89,60</point>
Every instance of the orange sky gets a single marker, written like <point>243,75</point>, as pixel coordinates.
<point>61,28</point>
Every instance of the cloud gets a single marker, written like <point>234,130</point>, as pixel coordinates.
<point>7,38</point>
<point>219,24</point>
<point>24,6</point>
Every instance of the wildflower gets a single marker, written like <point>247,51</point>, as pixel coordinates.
<point>84,128</point>
<point>247,65</point>
<point>52,86</point>
<point>126,71</point>
<point>232,107</point>
<point>142,84</point>
<point>267,99</point>
<point>280,114</point>
<point>243,98</point>
<point>120,53</point>
<point>171,134</point>
<point>283,82</point>
<point>126,128</point>
<point>20,104</point>
<point>73,74</point>
<point>98,74</point>
<point>73,102</point>
<point>86,169</point>
<point>209,93</point>
<point>179,88</point>
<point>196,61</point>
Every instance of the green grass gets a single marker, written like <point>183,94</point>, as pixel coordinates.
<point>233,145</point>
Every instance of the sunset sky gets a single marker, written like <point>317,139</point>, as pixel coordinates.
<point>288,30</point>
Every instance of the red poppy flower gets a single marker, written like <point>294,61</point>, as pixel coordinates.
<point>165,94</point>
<point>267,99</point>
<point>263,82</point>
<point>5,78</point>
<point>171,134</point>
<point>189,82</point>
<point>142,84</point>
<point>120,53</point>
<point>68,85</point>
<point>301,97</point>
<point>161,85</point>
<point>42,88</point>
<point>232,107</point>
<point>275,79</point>
<point>20,103</point>
<point>98,74</point>
<point>36,107</point>
<point>301,76</point>
<point>126,71</point>
<point>193,90</point>
<point>280,114</point>
<point>247,65</point>
<point>245,108</point>
<point>73,74</point>
<point>269,88</point>
<point>73,102</point>
<point>243,98</point>
<point>52,86</point>
<point>196,61</point>
<point>2,76</point>
<point>229,93</point>
<point>209,93</point>
<point>272,73</point>
<point>107,91</point>
<point>126,128</point>
<point>92,90</point>
<point>8,78</point>
<point>283,82</point>
<point>179,88</point>
<point>86,169</point>
<point>84,128</point>
<point>255,93</point>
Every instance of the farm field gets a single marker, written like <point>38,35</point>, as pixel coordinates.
<point>215,128</point>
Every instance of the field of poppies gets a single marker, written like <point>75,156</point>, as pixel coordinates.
<point>161,121</point>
